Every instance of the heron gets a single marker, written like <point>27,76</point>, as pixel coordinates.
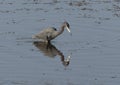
<point>51,32</point>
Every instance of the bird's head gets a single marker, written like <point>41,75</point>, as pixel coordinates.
<point>67,26</point>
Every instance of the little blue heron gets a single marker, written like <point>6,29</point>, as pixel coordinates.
<point>50,33</point>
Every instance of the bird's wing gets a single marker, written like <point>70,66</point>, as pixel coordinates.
<point>47,34</point>
<point>50,33</point>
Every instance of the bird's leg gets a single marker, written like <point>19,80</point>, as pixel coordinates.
<point>47,42</point>
<point>48,39</point>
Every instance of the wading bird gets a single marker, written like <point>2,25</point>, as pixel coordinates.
<point>50,33</point>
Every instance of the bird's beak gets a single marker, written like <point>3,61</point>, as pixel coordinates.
<point>68,29</point>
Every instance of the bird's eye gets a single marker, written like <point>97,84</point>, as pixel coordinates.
<point>55,29</point>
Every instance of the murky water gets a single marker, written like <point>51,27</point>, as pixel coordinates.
<point>94,45</point>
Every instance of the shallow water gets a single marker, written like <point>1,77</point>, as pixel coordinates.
<point>93,46</point>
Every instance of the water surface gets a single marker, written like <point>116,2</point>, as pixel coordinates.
<point>93,46</point>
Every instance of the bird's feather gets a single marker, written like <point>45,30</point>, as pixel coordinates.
<point>49,33</point>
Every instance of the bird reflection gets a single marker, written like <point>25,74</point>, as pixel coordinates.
<point>50,50</point>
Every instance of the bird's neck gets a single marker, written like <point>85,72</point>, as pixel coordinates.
<point>61,30</point>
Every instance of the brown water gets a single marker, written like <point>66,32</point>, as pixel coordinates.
<point>94,45</point>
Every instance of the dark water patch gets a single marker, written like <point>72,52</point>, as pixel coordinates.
<point>7,33</point>
<point>58,8</point>
<point>41,20</point>
<point>113,77</point>
<point>103,18</point>
<point>116,15</point>
<point>86,16</point>
<point>39,9</point>
<point>14,82</point>
<point>117,0</point>
<point>116,7</point>
<point>78,3</point>
<point>5,11</point>
<point>89,9</point>
<point>51,2</point>
<point>102,1</point>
